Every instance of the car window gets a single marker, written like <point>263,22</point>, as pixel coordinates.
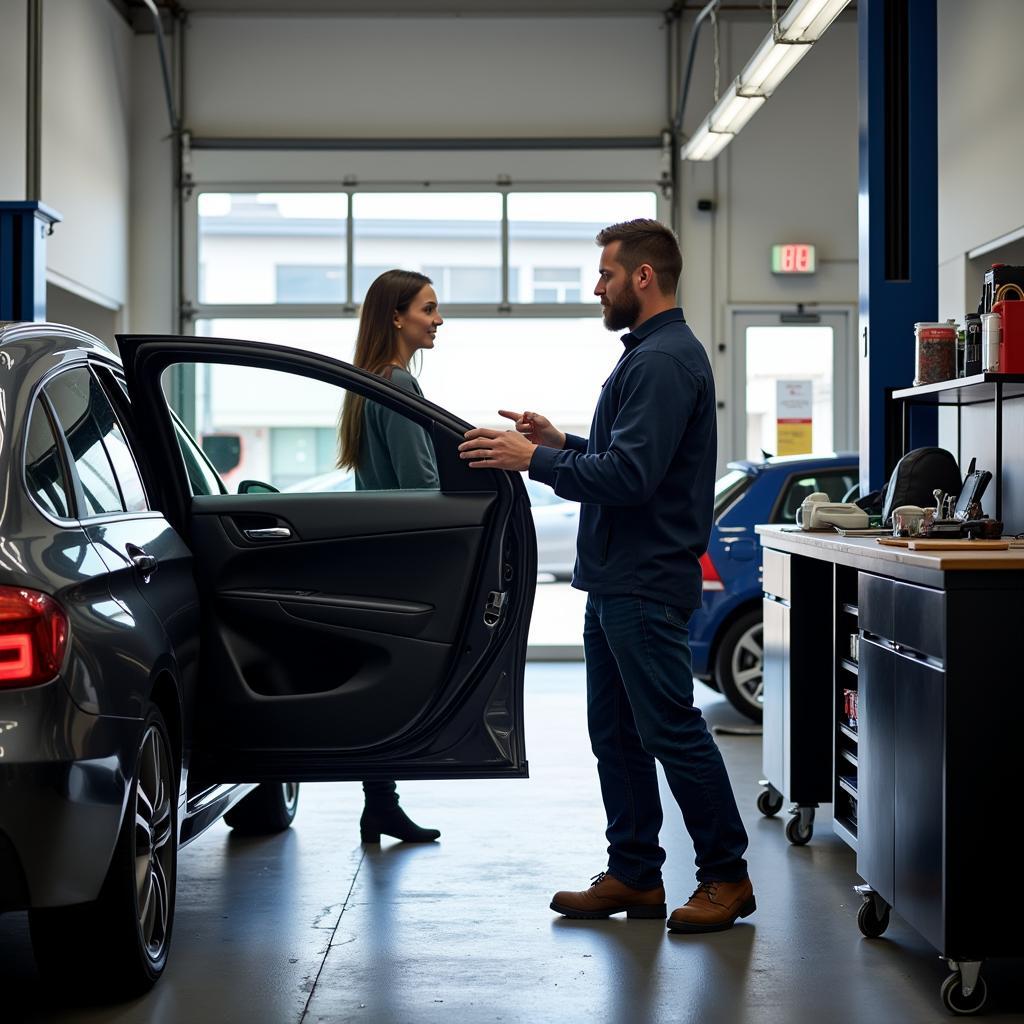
<point>728,488</point>
<point>100,454</point>
<point>202,477</point>
<point>834,483</point>
<point>296,447</point>
<point>44,466</point>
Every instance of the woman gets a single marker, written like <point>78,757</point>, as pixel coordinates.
<point>388,451</point>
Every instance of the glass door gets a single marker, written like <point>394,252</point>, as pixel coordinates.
<point>795,384</point>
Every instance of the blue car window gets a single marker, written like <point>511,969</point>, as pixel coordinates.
<point>834,483</point>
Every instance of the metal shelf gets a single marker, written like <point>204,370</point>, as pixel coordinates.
<point>847,786</point>
<point>982,387</point>
<point>849,664</point>
<point>977,390</point>
<point>850,734</point>
<point>850,609</point>
<point>846,830</point>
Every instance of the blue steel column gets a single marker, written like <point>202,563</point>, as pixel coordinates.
<point>891,303</point>
<point>23,230</point>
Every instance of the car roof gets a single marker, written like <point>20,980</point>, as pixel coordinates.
<point>795,463</point>
<point>14,331</point>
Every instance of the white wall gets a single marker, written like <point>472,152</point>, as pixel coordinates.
<point>981,138</point>
<point>12,100</point>
<point>420,77</point>
<point>86,110</point>
<point>789,176</point>
<point>85,101</point>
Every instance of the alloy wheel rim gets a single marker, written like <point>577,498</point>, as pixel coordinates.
<point>154,843</point>
<point>748,665</point>
<point>291,795</point>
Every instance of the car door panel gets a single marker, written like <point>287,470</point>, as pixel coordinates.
<point>370,634</point>
<point>164,603</point>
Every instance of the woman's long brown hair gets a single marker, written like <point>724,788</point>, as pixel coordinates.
<point>376,349</point>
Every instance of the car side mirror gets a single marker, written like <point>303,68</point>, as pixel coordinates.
<point>256,487</point>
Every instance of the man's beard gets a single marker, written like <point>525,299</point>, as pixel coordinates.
<point>624,311</point>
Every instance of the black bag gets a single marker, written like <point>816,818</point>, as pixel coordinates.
<point>916,475</point>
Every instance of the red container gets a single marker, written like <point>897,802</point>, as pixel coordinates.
<point>1011,345</point>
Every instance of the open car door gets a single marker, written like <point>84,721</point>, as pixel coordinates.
<point>347,634</point>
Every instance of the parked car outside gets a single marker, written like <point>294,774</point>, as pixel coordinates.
<point>726,633</point>
<point>556,521</point>
<point>171,654</point>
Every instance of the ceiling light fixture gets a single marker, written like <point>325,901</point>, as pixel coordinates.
<point>782,49</point>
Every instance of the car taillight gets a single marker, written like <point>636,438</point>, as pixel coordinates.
<point>33,637</point>
<point>712,581</point>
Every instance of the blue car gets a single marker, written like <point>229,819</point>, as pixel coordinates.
<point>725,634</point>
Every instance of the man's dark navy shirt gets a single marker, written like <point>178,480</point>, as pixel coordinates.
<point>646,475</point>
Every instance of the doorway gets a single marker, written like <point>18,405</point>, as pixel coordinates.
<point>815,410</point>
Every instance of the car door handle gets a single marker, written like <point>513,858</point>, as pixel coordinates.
<point>146,563</point>
<point>269,533</point>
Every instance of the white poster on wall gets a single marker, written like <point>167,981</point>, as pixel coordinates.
<point>793,416</point>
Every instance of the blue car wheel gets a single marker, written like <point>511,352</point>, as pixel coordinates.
<point>739,665</point>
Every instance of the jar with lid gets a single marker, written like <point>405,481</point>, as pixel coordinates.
<point>934,353</point>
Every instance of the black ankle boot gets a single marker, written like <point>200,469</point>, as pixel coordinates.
<point>393,821</point>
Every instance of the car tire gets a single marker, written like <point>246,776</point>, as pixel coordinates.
<point>269,808</point>
<point>117,946</point>
<point>739,664</point>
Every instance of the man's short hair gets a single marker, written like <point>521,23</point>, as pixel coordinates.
<point>647,241</point>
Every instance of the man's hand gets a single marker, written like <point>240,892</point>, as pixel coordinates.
<point>496,449</point>
<point>537,428</point>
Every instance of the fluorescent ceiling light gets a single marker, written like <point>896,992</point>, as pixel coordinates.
<point>705,144</point>
<point>770,64</point>
<point>780,51</point>
<point>733,111</point>
<point>805,20</point>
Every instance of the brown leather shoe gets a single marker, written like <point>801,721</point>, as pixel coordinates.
<point>714,906</point>
<point>609,896</point>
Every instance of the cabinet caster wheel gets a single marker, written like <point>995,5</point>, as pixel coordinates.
<point>956,1002</point>
<point>769,806</point>
<point>798,833</point>
<point>869,922</point>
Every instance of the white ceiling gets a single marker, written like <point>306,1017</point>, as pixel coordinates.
<point>429,7</point>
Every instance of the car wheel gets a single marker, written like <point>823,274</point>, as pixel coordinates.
<point>118,945</point>
<point>267,809</point>
<point>739,665</point>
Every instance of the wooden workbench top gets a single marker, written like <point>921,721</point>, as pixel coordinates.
<point>832,547</point>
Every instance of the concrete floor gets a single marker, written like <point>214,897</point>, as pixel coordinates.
<point>310,927</point>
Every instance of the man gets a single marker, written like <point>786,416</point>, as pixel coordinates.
<point>645,478</point>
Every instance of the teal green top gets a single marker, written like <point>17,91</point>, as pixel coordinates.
<point>394,452</point>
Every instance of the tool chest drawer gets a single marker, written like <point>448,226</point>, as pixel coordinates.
<point>903,613</point>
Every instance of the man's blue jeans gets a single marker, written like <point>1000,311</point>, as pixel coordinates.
<point>640,707</point>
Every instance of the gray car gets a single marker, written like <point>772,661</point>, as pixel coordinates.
<point>171,653</point>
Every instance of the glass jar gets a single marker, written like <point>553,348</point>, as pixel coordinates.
<point>934,353</point>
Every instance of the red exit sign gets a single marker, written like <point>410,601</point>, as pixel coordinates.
<point>793,258</point>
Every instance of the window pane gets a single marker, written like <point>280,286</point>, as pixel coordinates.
<point>551,240</point>
<point>272,247</point>
<point>788,352</point>
<point>313,283</point>
<point>458,232</point>
<point>44,471</point>
<point>125,469</point>
<point>476,367</point>
<point>288,428</point>
<point>85,416</point>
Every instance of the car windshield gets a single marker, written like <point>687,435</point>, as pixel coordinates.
<point>728,488</point>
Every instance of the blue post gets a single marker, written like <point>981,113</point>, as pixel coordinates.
<point>23,230</point>
<point>898,219</point>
